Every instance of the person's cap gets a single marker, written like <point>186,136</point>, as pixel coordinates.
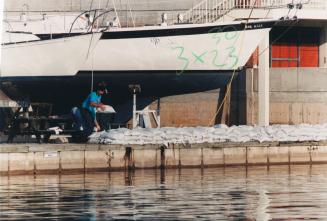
<point>102,87</point>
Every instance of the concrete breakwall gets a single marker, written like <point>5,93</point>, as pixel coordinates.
<point>75,158</point>
<point>297,95</point>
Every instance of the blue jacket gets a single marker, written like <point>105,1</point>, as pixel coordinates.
<point>93,97</point>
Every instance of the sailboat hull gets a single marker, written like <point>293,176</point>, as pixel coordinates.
<point>69,91</point>
<point>164,61</point>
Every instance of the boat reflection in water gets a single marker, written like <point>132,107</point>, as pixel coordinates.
<point>238,193</point>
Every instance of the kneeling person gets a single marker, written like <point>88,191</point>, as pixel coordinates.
<point>89,108</point>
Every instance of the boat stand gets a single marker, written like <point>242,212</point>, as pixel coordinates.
<point>142,118</point>
<point>39,123</point>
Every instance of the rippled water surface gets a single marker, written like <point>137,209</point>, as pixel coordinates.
<point>253,193</point>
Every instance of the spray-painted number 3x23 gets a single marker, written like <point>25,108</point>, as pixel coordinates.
<point>229,58</point>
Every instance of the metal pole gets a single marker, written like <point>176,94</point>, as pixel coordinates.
<point>134,109</point>
<point>158,112</point>
<point>1,27</point>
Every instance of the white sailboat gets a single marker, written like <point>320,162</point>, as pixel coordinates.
<point>164,60</point>
<point>178,48</point>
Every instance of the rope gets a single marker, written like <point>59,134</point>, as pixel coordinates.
<point>229,85</point>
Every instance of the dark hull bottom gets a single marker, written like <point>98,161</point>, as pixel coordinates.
<point>66,92</point>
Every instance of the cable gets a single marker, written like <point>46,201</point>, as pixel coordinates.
<point>281,35</point>
<point>284,32</point>
<point>270,9</point>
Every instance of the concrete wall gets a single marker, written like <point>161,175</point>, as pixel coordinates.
<point>82,5</point>
<point>297,95</point>
<point>196,109</point>
<point>69,158</point>
<point>144,11</point>
<point>323,47</point>
<point>201,109</point>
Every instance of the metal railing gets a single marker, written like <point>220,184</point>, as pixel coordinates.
<point>208,11</point>
<point>306,4</point>
<point>211,10</point>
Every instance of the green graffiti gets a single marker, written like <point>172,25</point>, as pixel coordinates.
<point>180,57</point>
<point>233,56</point>
<point>199,57</point>
<point>235,37</point>
<point>216,37</point>
<point>214,60</point>
<point>228,37</point>
<point>220,37</point>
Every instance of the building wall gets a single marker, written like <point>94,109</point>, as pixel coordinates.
<point>82,5</point>
<point>194,109</point>
<point>297,95</point>
<point>142,11</point>
<point>323,47</point>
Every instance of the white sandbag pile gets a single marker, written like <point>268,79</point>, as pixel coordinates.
<point>219,133</point>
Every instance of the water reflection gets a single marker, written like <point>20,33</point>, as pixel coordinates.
<point>239,193</point>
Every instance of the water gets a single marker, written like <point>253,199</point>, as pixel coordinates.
<point>239,193</point>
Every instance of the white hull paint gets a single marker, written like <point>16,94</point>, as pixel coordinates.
<point>57,57</point>
<point>208,51</point>
<point>196,52</point>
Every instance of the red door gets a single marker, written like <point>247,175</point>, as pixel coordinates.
<point>309,56</point>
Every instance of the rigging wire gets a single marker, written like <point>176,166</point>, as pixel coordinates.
<point>91,5</point>
<point>286,30</point>
<point>88,51</point>
<point>92,72</point>
<point>289,9</point>
<point>98,12</point>
<point>105,17</point>
<point>281,35</point>
<point>1,30</point>
<point>90,45</point>
<point>113,2</point>
<point>131,14</point>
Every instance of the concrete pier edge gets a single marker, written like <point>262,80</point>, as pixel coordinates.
<point>20,159</point>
